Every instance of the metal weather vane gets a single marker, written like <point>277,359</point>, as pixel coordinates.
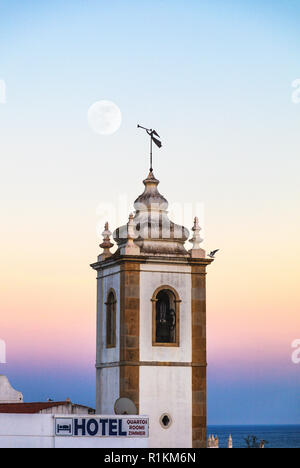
<point>153,138</point>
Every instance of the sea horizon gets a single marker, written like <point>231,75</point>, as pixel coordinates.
<point>276,435</point>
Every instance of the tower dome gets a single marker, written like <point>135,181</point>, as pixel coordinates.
<point>155,233</point>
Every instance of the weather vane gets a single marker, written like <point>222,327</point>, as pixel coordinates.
<point>153,134</point>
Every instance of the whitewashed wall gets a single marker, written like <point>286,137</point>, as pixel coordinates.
<point>166,389</point>
<point>109,389</point>
<point>151,278</point>
<point>163,389</point>
<point>111,280</point>
<point>37,431</point>
<point>26,431</point>
<point>108,380</point>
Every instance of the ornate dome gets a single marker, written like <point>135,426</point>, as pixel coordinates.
<point>155,234</point>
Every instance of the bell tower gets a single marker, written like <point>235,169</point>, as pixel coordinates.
<point>151,322</point>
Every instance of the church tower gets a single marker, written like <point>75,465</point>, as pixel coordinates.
<point>151,322</point>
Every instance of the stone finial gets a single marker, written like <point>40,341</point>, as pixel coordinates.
<point>130,248</point>
<point>106,244</point>
<point>196,239</point>
<point>230,442</point>
<point>196,251</point>
<point>213,442</point>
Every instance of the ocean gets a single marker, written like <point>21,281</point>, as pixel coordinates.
<point>276,436</point>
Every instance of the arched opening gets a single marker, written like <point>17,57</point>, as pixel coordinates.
<point>111,320</point>
<point>165,317</point>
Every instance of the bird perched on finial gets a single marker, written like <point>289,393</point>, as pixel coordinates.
<point>213,253</point>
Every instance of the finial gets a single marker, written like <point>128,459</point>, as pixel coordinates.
<point>213,442</point>
<point>106,244</point>
<point>196,239</point>
<point>130,248</point>
<point>196,251</point>
<point>131,233</point>
<point>153,138</point>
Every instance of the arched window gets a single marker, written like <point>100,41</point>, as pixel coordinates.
<point>165,317</point>
<point>111,320</point>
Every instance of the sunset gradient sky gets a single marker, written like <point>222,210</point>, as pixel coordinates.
<point>215,78</point>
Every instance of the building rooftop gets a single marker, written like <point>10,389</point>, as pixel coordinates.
<point>34,408</point>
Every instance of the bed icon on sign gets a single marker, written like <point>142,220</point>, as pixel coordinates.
<point>63,427</point>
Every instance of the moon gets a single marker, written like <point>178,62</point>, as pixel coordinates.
<point>104,117</point>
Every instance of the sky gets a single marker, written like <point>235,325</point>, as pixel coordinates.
<point>215,79</point>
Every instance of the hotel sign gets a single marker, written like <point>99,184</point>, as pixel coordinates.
<point>103,426</point>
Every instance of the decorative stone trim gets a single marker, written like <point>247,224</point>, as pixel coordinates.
<point>178,301</point>
<point>105,365</point>
<point>199,356</point>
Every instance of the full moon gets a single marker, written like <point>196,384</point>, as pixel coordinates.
<point>104,117</point>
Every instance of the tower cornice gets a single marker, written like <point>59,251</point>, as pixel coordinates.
<point>119,259</point>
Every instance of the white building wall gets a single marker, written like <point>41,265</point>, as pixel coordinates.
<point>37,431</point>
<point>110,280</point>
<point>167,390</point>
<point>179,278</point>
<point>92,442</point>
<point>108,379</point>
<point>26,431</point>
<point>109,391</point>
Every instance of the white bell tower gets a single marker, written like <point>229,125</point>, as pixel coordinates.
<point>151,322</point>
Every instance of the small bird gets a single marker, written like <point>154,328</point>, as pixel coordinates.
<point>213,253</point>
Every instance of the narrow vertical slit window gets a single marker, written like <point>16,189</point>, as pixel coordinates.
<point>111,320</point>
